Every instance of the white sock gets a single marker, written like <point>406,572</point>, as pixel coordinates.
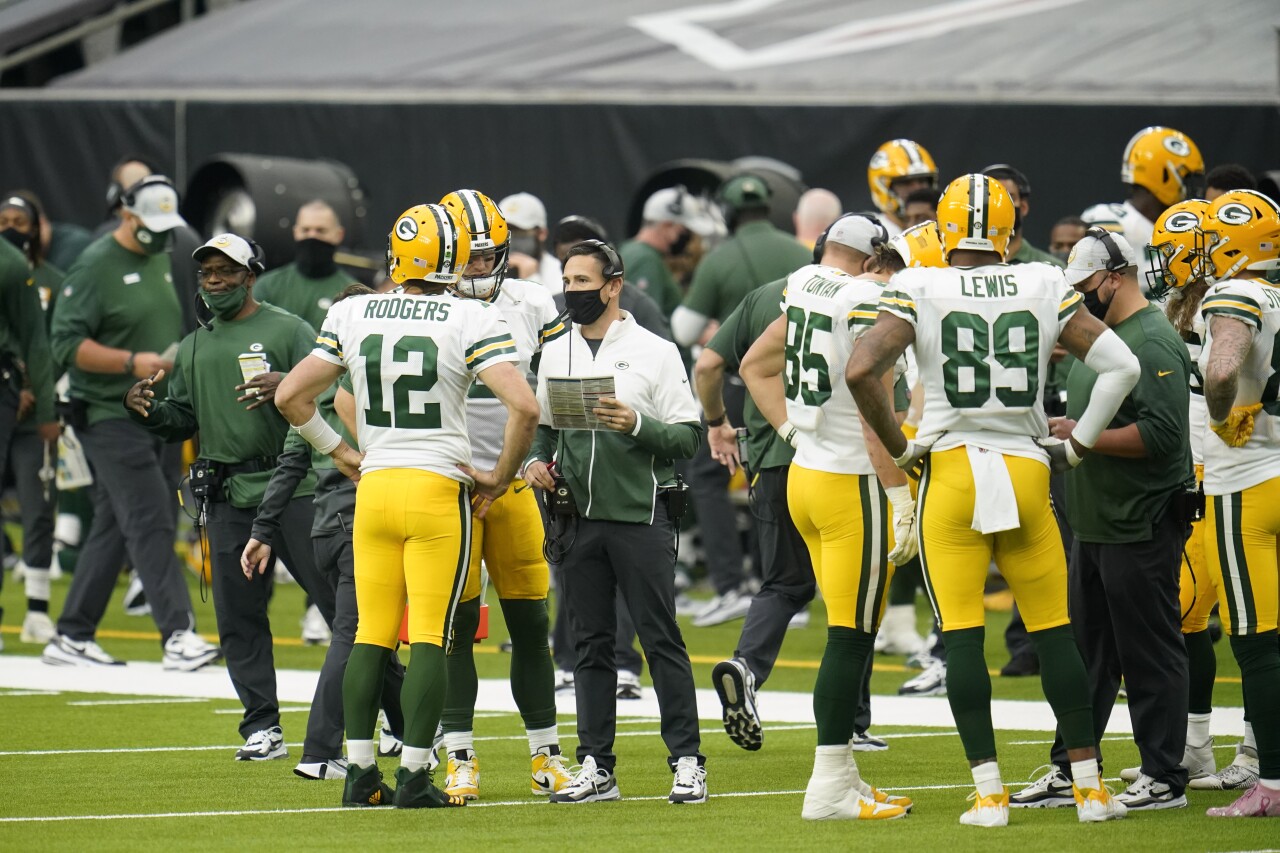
<point>539,738</point>
<point>414,758</point>
<point>458,741</point>
<point>1198,729</point>
<point>1085,774</point>
<point>1273,784</point>
<point>37,582</point>
<point>361,753</point>
<point>1248,736</point>
<point>987,777</point>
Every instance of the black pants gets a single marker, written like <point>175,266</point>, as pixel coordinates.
<point>564,649</point>
<point>26,458</point>
<point>133,517</point>
<point>717,518</point>
<point>244,628</point>
<point>335,562</point>
<point>1127,621</point>
<point>786,572</point>
<point>8,423</point>
<point>638,560</point>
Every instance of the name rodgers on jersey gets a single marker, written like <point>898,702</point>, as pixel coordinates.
<point>397,308</point>
<point>988,286</point>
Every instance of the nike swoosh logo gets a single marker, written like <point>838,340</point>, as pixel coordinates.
<point>1163,372</point>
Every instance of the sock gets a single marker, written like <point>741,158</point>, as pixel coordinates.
<point>1202,669</point>
<point>969,692</point>
<point>532,669</point>
<point>414,758</point>
<point>460,696</point>
<point>1259,659</point>
<point>544,738</point>
<point>1273,784</point>
<point>987,776</point>
<point>361,753</point>
<point>1085,774</point>
<point>839,683</point>
<point>37,584</point>
<point>1065,685</point>
<point>1198,729</point>
<point>906,578</point>
<point>1249,742</point>
<point>361,687</point>
<point>458,742</point>
<point>422,695</point>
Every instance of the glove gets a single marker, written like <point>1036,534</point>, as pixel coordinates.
<point>1238,427</point>
<point>1062,454</point>
<point>904,524</point>
<point>912,459</point>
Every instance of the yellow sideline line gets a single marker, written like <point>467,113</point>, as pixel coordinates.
<point>492,649</point>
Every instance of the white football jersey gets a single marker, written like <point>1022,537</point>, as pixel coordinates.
<point>826,310</point>
<point>1234,469</point>
<point>984,336</point>
<point>532,318</point>
<point>412,358</point>
<point>1197,412</point>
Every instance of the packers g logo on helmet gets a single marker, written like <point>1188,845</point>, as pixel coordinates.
<point>426,244</point>
<point>1165,162</point>
<point>1178,257</point>
<point>976,213</point>
<point>894,160</point>
<point>1242,231</point>
<point>487,227</point>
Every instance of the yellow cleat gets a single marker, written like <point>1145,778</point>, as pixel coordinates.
<point>881,797</point>
<point>463,776</point>
<point>988,811</point>
<point>1097,805</point>
<point>549,773</point>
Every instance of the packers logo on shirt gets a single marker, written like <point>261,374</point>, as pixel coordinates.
<point>1234,213</point>
<point>406,228</point>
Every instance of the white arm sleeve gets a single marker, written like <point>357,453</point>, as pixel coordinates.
<point>687,325</point>
<point>1118,371</point>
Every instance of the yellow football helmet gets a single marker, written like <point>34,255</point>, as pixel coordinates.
<point>920,246</point>
<point>897,159</point>
<point>426,244</point>
<point>482,219</point>
<point>1242,231</point>
<point>1177,256</point>
<point>975,212</point>
<point>1165,162</point>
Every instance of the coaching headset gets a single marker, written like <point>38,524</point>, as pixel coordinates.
<point>115,191</point>
<point>876,242</point>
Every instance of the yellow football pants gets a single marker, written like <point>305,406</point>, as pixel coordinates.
<point>1242,535</point>
<point>412,540</point>
<point>955,557</point>
<point>1197,591</point>
<point>844,520</point>
<point>509,539</point>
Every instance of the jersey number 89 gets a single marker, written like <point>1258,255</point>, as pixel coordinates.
<point>967,341</point>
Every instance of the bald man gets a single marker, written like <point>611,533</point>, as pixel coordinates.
<point>816,209</point>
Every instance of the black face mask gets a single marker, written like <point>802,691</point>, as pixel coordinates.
<point>17,238</point>
<point>1017,220</point>
<point>1093,302</point>
<point>315,258</point>
<point>681,243</point>
<point>585,306</point>
<point>527,244</point>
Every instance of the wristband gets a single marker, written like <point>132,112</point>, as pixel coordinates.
<point>1072,457</point>
<point>319,434</point>
<point>715,422</point>
<point>788,431</point>
<point>128,364</point>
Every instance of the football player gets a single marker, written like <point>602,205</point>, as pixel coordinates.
<point>1241,463</point>
<point>841,490</point>
<point>412,356</point>
<point>898,168</point>
<point>983,333</point>
<point>509,538</point>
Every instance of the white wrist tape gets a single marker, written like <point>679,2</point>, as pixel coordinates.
<point>1118,371</point>
<point>899,497</point>
<point>319,434</point>
<point>788,431</point>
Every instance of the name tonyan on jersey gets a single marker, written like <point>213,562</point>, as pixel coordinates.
<point>822,286</point>
<point>397,308</point>
<point>984,286</point>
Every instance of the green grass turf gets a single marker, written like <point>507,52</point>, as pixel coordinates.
<point>135,783</point>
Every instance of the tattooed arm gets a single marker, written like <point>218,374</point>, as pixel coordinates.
<point>874,353</point>
<point>1231,340</point>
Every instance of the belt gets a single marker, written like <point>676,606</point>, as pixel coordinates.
<point>249,466</point>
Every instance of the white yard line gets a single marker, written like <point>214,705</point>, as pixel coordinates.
<point>286,710</point>
<point>6,694</point>
<point>100,702</point>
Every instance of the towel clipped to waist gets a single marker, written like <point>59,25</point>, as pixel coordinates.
<point>995,507</point>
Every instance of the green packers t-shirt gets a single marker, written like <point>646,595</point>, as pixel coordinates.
<point>755,255</point>
<point>646,269</point>
<point>308,298</point>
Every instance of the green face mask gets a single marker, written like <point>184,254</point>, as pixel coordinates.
<point>227,304</point>
<point>152,242</point>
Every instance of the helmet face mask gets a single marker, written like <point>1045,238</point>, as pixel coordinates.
<point>898,160</point>
<point>426,244</point>
<point>977,214</point>
<point>1179,256</point>
<point>1166,163</point>
<point>478,215</point>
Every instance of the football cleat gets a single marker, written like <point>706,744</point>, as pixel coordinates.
<point>1241,773</point>
<point>736,686</point>
<point>135,598</point>
<point>37,628</point>
<point>314,767</point>
<point>897,634</point>
<point>462,778</point>
<point>690,783</point>
<point>1053,790</point>
<point>1258,801</point>
<point>863,742</point>
<point>364,787</point>
<point>1146,794</point>
<point>415,789</point>
<point>987,811</point>
<point>263,745</point>
<point>931,682</point>
<point>187,651</point>
<point>1097,805</point>
<point>590,784</point>
<point>874,794</point>
<point>549,773</point>
<point>733,604</point>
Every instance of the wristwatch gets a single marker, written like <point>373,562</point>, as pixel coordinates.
<point>128,364</point>
<point>715,422</point>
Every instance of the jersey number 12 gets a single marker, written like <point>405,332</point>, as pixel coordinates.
<point>399,415</point>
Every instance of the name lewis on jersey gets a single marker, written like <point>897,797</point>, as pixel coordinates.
<point>988,286</point>
<point>406,309</point>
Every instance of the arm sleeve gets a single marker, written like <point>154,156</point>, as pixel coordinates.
<point>172,419</point>
<point>686,325</point>
<point>676,431</point>
<point>1118,372</point>
<point>75,317</point>
<point>1161,398</point>
<point>292,466</point>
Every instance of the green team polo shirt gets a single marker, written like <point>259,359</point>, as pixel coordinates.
<point>22,327</point>
<point>647,270</point>
<point>760,307</point>
<point>309,298</point>
<point>119,299</point>
<point>755,255</point>
<point>1114,500</point>
<point>202,395</point>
